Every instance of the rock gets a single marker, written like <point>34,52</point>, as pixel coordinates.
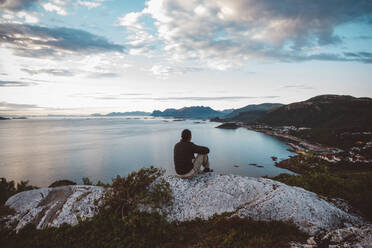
<point>49,207</point>
<point>202,196</point>
<point>228,125</point>
<point>311,241</point>
<point>360,237</point>
<point>257,198</point>
<point>350,237</point>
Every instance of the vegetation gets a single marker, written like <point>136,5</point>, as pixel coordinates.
<point>343,138</point>
<point>305,164</point>
<point>326,111</point>
<point>7,189</point>
<point>352,185</point>
<point>120,223</point>
<point>61,183</point>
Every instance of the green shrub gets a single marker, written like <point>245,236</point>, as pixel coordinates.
<point>61,183</point>
<point>87,181</point>
<point>7,189</point>
<point>129,194</point>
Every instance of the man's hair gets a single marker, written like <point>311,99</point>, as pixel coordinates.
<point>186,134</point>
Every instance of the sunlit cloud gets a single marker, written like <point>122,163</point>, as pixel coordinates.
<point>236,31</point>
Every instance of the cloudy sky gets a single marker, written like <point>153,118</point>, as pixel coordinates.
<point>87,56</point>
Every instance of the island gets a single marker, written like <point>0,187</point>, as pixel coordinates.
<point>228,125</point>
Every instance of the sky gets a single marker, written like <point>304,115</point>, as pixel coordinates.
<point>100,56</point>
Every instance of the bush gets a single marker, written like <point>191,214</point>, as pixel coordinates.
<point>137,190</point>
<point>7,189</point>
<point>61,183</point>
<point>87,181</point>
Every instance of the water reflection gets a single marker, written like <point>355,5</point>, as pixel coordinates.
<point>45,150</point>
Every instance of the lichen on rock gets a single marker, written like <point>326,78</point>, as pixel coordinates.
<point>203,196</point>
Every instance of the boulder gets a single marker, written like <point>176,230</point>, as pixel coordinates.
<point>257,198</point>
<point>202,196</point>
<point>51,207</point>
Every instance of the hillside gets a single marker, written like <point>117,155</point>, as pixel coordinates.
<point>325,111</point>
<point>197,112</point>
<point>258,108</point>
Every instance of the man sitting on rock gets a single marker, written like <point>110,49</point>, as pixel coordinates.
<point>187,166</point>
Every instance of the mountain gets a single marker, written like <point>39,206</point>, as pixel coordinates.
<point>227,111</point>
<point>197,112</point>
<point>324,111</point>
<point>133,113</point>
<point>257,108</point>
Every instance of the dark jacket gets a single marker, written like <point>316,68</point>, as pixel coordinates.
<point>184,153</point>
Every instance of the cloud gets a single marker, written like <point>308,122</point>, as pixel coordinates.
<point>226,33</point>
<point>103,75</point>
<point>16,5</point>
<point>89,5</point>
<point>15,84</point>
<point>296,87</point>
<point>54,72</point>
<point>51,7</point>
<point>137,96</point>
<point>5,106</point>
<point>164,71</point>
<point>212,98</point>
<point>43,42</point>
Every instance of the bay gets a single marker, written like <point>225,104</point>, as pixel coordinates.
<point>43,150</point>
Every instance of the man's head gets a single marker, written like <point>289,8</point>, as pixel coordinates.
<point>186,135</point>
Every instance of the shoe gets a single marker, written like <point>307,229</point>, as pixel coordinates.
<point>207,170</point>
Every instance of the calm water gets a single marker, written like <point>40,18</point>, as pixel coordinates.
<point>45,150</point>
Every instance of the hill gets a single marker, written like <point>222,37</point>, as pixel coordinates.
<point>324,111</point>
<point>197,112</point>
<point>252,107</point>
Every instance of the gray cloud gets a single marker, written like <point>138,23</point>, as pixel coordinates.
<point>187,98</point>
<point>212,98</point>
<point>364,37</point>
<point>296,87</point>
<point>15,84</point>
<point>5,106</point>
<point>55,72</point>
<point>225,34</point>
<point>36,41</point>
<point>103,75</point>
<point>16,5</point>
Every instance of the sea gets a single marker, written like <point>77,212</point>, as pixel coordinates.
<point>45,149</point>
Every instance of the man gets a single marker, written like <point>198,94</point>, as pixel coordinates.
<point>185,162</point>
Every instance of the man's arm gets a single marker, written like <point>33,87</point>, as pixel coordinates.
<point>199,149</point>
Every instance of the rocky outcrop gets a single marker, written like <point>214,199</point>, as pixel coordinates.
<point>341,238</point>
<point>202,196</point>
<point>48,207</point>
<point>256,198</point>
